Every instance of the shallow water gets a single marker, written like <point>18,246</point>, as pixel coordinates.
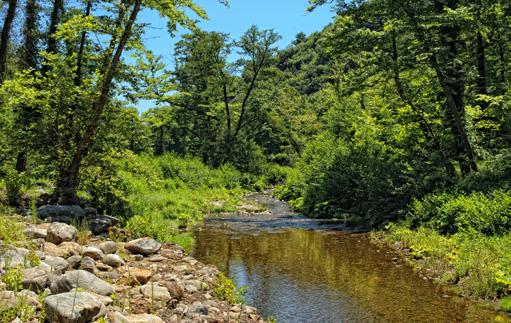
<point>303,270</point>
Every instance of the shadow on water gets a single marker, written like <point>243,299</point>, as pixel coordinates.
<point>303,270</point>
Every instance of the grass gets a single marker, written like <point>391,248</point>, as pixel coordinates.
<point>472,264</point>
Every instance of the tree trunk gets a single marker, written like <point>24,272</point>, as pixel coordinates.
<point>69,177</point>
<point>4,40</point>
<point>451,81</point>
<point>55,20</point>
<point>79,59</point>
<point>29,55</point>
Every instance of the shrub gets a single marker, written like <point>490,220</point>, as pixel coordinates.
<point>226,290</point>
<point>449,213</point>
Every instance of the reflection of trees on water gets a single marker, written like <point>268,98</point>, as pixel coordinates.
<point>334,262</point>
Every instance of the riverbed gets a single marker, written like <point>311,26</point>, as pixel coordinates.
<point>298,269</point>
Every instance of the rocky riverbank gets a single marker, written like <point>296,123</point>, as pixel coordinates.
<point>57,275</point>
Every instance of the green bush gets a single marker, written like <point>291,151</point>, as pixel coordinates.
<point>449,213</point>
<point>162,196</point>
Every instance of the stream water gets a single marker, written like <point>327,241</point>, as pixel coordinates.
<point>303,270</point>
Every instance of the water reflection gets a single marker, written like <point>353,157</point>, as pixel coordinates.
<point>304,273</point>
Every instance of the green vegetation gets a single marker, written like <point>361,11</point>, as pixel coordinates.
<point>397,112</point>
<point>225,289</point>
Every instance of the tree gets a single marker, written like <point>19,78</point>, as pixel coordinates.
<point>5,37</point>
<point>126,16</point>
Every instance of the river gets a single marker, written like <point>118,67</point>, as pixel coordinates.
<point>304,270</point>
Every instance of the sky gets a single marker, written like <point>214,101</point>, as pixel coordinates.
<point>286,17</point>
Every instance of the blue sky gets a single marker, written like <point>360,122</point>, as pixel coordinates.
<point>286,17</point>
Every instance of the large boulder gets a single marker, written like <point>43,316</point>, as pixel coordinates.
<point>35,232</point>
<point>64,213</point>
<point>61,232</point>
<point>143,246</point>
<point>99,224</point>
<point>80,279</point>
<point>73,307</point>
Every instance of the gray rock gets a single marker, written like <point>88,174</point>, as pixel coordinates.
<point>34,232</point>
<point>72,307</point>
<point>58,265</point>
<point>80,279</point>
<point>74,261</point>
<point>108,247</point>
<point>144,246</point>
<point>88,264</point>
<point>61,232</point>
<point>100,224</point>
<point>62,213</point>
<point>197,308</point>
<point>94,253</point>
<point>14,257</point>
<point>153,291</point>
<point>113,260</point>
<point>139,318</point>
<point>36,279</point>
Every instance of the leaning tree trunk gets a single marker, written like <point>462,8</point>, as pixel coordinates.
<point>69,176</point>
<point>4,40</point>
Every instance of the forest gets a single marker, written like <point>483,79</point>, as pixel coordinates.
<point>395,118</point>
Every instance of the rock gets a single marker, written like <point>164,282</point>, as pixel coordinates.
<point>74,261</point>
<point>80,279</point>
<point>191,289</point>
<point>108,275</point>
<point>156,258</point>
<point>140,318</point>
<point>94,253</point>
<point>100,224</point>
<point>57,265</point>
<point>61,232</point>
<point>153,291</point>
<point>174,289</point>
<point>72,307</point>
<point>14,257</point>
<point>108,247</point>
<point>197,284</point>
<point>103,267</point>
<point>113,260</point>
<point>190,260</point>
<point>35,279</point>
<point>144,246</point>
<point>197,308</point>
<point>88,264</point>
<point>9,298</point>
<point>52,250</point>
<point>71,248</point>
<point>34,232</point>
<point>141,275</point>
<point>64,213</point>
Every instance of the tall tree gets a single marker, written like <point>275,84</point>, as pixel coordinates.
<point>5,37</point>
<point>30,31</point>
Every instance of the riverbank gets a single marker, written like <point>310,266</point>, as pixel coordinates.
<point>63,274</point>
<point>469,265</point>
